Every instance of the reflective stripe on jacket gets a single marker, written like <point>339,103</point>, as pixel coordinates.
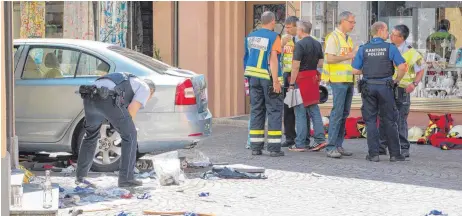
<point>259,45</point>
<point>288,55</point>
<point>412,56</point>
<point>340,72</point>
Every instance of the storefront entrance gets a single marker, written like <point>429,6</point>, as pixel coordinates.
<point>254,10</point>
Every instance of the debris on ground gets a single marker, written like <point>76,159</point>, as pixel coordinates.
<point>144,196</point>
<point>27,174</point>
<point>204,194</point>
<point>229,173</point>
<point>122,213</point>
<point>149,212</point>
<point>436,212</point>
<point>315,174</point>
<point>75,212</point>
<point>167,166</point>
<point>145,175</point>
<point>198,159</point>
<point>241,168</point>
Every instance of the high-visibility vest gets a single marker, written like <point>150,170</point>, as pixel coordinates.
<point>340,72</point>
<point>411,57</point>
<point>259,45</point>
<point>287,56</point>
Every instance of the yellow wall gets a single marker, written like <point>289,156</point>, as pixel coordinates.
<point>454,15</point>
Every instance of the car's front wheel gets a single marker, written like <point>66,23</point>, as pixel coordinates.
<point>108,149</point>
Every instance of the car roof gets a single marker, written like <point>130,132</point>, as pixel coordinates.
<point>89,44</point>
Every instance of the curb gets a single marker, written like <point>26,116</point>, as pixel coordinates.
<point>230,121</point>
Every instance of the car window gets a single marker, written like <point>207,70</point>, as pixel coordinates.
<point>142,59</point>
<point>49,63</point>
<point>91,66</point>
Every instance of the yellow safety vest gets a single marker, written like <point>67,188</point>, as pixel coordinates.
<point>287,56</point>
<point>411,57</point>
<point>340,72</point>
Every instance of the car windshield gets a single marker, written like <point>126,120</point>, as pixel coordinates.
<point>142,59</point>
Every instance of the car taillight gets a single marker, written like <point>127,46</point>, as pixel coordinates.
<point>185,93</point>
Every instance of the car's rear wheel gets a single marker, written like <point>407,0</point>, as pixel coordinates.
<point>108,149</point>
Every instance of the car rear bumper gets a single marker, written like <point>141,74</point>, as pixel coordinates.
<point>171,131</point>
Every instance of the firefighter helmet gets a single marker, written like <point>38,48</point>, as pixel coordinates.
<point>323,94</point>
<point>414,134</point>
<point>456,132</point>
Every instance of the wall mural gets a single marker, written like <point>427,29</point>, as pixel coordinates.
<point>32,19</point>
<point>278,9</point>
<point>78,20</point>
<point>114,22</point>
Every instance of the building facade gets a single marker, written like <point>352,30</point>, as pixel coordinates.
<point>208,37</point>
<point>441,88</point>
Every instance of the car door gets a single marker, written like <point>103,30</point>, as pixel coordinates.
<point>45,98</point>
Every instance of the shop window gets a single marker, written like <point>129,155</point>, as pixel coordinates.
<point>279,11</point>
<point>49,63</point>
<point>91,66</point>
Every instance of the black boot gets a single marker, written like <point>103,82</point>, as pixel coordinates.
<point>397,158</point>
<point>373,158</point>
<point>287,143</point>
<point>277,154</point>
<point>256,152</point>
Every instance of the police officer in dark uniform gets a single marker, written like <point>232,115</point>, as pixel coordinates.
<point>115,97</point>
<point>374,61</point>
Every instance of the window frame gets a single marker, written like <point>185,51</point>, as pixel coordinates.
<point>35,46</point>
<point>89,54</point>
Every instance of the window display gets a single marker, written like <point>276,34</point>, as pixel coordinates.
<point>433,33</point>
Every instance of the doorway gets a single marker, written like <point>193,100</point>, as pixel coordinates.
<point>253,12</point>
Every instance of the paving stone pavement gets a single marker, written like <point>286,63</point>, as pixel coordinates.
<point>305,183</point>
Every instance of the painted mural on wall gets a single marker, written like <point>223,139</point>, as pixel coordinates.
<point>32,19</point>
<point>113,22</point>
<point>279,11</point>
<point>78,20</point>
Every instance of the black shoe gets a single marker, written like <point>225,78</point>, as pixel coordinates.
<point>383,153</point>
<point>277,154</point>
<point>256,152</point>
<point>130,183</point>
<point>287,143</point>
<point>373,158</point>
<point>342,151</point>
<point>397,158</point>
<point>405,152</point>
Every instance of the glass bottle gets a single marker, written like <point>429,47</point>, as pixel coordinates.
<point>47,191</point>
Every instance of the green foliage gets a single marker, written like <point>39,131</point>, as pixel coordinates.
<point>156,52</point>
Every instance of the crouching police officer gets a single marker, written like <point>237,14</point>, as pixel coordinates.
<point>115,97</point>
<point>375,61</point>
<point>263,68</point>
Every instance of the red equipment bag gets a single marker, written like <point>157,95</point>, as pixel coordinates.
<point>440,140</point>
<point>351,127</point>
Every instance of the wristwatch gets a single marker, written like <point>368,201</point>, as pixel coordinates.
<point>292,85</point>
<point>415,84</point>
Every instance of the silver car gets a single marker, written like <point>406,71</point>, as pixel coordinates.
<point>49,113</point>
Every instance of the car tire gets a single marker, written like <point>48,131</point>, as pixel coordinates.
<point>114,166</point>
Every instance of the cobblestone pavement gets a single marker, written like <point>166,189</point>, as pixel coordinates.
<point>306,184</point>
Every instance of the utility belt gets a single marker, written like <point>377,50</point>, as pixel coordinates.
<point>94,93</point>
<point>363,85</point>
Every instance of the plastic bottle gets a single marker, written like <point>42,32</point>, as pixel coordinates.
<point>47,191</point>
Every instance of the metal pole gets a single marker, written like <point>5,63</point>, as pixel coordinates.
<point>175,33</point>
<point>9,75</point>
<point>7,94</point>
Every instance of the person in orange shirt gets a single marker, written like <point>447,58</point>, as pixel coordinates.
<point>263,70</point>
